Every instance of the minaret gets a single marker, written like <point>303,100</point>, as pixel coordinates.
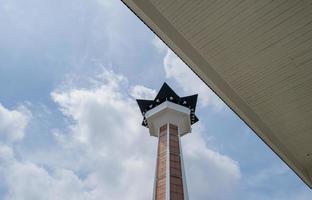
<point>168,117</point>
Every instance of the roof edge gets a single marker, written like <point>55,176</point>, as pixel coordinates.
<point>157,23</point>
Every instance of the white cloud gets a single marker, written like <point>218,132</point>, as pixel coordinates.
<point>177,70</point>
<point>28,181</point>
<point>105,152</point>
<point>121,154</point>
<point>13,123</point>
<point>142,92</point>
<point>160,45</point>
<point>115,148</point>
<point>210,175</point>
<point>6,152</point>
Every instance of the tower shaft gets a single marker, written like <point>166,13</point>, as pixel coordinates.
<point>168,117</point>
<point>170,183</point>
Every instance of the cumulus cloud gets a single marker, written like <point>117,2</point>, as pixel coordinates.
<point>160,45</point>
<point>107,152</point>
<point>107,125</point>
<point>13,123</point>
<point>142,92</point>
<point>115,148</point>
<point>210,175</point>
<point>26,180</point>
<point>178,71</point>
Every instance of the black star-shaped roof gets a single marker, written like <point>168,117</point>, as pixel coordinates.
<point>167,94</point>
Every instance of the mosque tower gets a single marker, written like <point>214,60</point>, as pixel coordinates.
<point>169,117</point>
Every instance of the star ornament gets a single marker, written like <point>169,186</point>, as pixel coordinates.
<point>167,94</point>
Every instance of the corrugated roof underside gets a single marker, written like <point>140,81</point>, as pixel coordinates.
<point>263,51</point>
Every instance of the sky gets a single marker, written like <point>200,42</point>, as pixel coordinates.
<point>70,128</point>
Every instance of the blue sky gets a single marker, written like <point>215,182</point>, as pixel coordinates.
<point>69,124</point>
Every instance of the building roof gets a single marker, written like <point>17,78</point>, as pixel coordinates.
<point>256,56</point>
<point>167,94</point>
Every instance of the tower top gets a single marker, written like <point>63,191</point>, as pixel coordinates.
<point>168,101</point>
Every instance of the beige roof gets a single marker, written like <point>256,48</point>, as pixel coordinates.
<point>256,55</point>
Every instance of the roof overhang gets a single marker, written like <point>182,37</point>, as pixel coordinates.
<point>256,56</point>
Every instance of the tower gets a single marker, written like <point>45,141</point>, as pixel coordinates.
<point>168,117</point>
